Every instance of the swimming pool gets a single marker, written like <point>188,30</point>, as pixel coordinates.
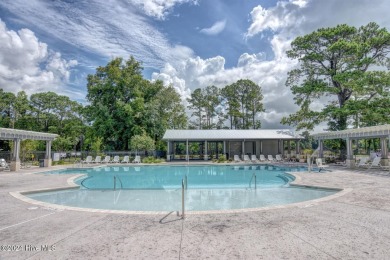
<point>158,188</point>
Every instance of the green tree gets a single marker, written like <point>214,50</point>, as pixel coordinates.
<point>345,65</point>
<point>232,105</point>
<point>7,103</point>
<point>124,104</point>
<point>142,143</point>
<point>163,112</point>
<point>244,100</point>
<point>196,104</point>
<point>115,93</point>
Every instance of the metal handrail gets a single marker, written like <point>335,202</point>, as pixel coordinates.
<point>120,181</point>
<point>250,182</point>
<point>182,199</point>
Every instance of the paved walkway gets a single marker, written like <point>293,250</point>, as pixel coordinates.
<point>353,226</point>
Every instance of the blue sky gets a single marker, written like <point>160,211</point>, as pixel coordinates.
<point>54,45</point>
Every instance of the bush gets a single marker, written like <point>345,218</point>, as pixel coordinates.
<point>151,159</point>
<point>222,158</point>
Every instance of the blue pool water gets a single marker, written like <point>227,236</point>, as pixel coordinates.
<point>158,188</point>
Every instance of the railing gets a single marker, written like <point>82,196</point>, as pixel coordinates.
<point>115,177</point>
<point>250,181</point>
<point>182,198</point>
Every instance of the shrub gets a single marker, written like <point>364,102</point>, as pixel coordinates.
<point>151,159</point>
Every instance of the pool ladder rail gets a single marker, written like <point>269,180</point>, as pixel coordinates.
<point>184,186</point>
<point>120,181</point>
<point>250,181</point>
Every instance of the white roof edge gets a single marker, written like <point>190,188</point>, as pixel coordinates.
<point>370,131</point>
<point>9,134</point>
<point>229,134</point>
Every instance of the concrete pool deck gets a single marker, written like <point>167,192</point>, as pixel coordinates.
<point>353,226</point>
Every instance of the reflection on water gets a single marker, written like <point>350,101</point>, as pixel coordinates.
<point>170,200</point>
<point>169,177</point>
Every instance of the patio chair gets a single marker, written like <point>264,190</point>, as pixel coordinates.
<point>271,158</point>
<point>137,159</point>
<point>363,162</point>
<point>3,165</point>
<point>88,159</point>
<point>262,158</point>
<point>107,159</point>
<point>237,158</point>
<point>320,165</point>
<point>126,159</point>
<point>98,159</point>
<point>278,158</point>
<point>115,160</point>
<point>376,163</point>
<point>246,158</point>
<point>254,158</point>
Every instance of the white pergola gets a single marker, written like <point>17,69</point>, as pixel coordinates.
<point>251,141</point>
<point>17,135</point>
<point>380,131</point>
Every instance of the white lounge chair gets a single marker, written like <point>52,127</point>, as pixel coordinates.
<point>271,158</point>
<point>262,158</point>
<point>137,159</point>
<point>376,163</point>
<point>107,159</point>
<point>3,165</point>
<point>98,159</point>
<point>126,159</point>
<point>246,158</point>
<point>115,160</point>
<point>254,158</point>
<point>363,162</point>
<point>320,165</point>
<point>237,158</point>
<point>88,159</point>
<point>278,158</point>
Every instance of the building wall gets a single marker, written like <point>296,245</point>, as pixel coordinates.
<point>270,147</point>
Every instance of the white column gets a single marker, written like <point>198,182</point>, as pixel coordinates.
<point>321,148</point>
<point>261,147</point>
<point>187,154</point>
<point>289,147</point>
<point>47,161</point>
<point>384,151</point>
<point>168,151</point>
<point>205,153</point>
<point>350,162</point>
<point>15,160</point>
<point>243,149</point>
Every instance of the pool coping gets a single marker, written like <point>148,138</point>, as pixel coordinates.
<point>72,185</point>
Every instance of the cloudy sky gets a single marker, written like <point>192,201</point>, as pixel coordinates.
<point>54,45</point>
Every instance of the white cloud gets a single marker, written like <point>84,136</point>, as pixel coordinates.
<point>27,64</point>
<point>198,73</point>
<point>157,8</point>
<point>106,28</point>
<point>286,20</point>
<point>284,14</point>
<point>292,18</point>
<point>215,29</point>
